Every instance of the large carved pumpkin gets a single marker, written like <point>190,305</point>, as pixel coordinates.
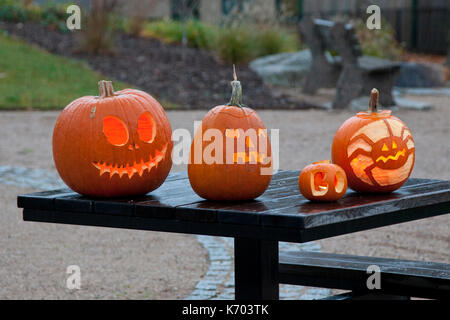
<point>230,155</point>
<point>375,149</point>
<point>116,144</point>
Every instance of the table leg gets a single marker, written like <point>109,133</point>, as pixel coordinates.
<point>256,269</point>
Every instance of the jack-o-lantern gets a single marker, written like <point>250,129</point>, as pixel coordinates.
<point>322,181</point>
<point>116,144</point>
<point>230,156</point>
<point>375,149</point>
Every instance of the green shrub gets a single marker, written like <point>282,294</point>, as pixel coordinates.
<point>12,11</point>
<point>236,45</point>
<point>54,16</point>
<point>168,31</point>
<point>241,44</point>
<point>54,19</point>
<point>379,43</point>
<point>198,34</point>
<point>275,40</point>
<point>34,13</point>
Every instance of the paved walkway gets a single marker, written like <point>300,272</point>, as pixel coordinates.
<point>218,282</point>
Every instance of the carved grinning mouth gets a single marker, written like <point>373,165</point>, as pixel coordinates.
<point>135,168</point>
<point>397,155</point>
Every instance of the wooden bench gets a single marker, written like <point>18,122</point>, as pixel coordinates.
<point>399,279</point>
<point>352,74</point>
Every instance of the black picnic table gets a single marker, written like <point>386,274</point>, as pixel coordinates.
<point>280,214</point>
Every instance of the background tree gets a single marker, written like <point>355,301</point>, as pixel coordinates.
<point>138,12</point>
<point>184,10</point>
<point>98,34</point>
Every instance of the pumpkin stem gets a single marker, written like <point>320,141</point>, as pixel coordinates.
<point>236,93</point>
<point>373,103</point>
<point>105,89</point>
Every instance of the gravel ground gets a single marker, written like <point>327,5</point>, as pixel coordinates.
<point>116,264</point>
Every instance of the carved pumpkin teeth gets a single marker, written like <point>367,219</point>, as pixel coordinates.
<point>103,170</point>
<point>122,172</point>
<point>390,157</point>
<point>131,169</point>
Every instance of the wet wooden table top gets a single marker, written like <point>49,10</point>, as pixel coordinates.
<point>281,213</point>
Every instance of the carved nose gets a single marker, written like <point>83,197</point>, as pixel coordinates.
<point>133,146</point>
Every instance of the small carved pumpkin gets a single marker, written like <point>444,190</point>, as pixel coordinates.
<point>322,181</point>
<point>116,144</point>
<point>218,172</point>
<point>375,149</point>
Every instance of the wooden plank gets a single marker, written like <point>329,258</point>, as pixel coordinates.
<point>256,210</point>
<point>404,199</point>
<point>282,174</point>
<point>282,184</point>
<point>424,268</point>
<point>120,207</point>
<point>42,200</point>
<point>195,214</point>
<point>171,192</point>
<point>74,202</point>
<point>247,212</point>
<point>65,199</point>
<point>166,225</point>
<point>191,207</point>
<point>350,199</point>
<point>155,210</point>
<point>402,277</point>
<point>279,200</point>
<point>354,205</point>
<point>371,222</point>
<point>164,201</point>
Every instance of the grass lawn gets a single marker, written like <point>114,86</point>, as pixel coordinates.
<point>33,78</point>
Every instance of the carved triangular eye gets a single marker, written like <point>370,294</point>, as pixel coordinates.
<point>385,147</point>
<point>146,128</point>
<point>115,130</point>
<point>394,145</point>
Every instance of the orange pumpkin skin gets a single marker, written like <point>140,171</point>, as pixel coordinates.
<point>322,181</point>
<point>229,181</point>
<point>115,144</point>
<point>376,150</point>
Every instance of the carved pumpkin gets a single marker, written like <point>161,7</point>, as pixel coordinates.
<point>322,181</point>
<point>116,144</point>
<point>230,156</point>
<point>375,149</point>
